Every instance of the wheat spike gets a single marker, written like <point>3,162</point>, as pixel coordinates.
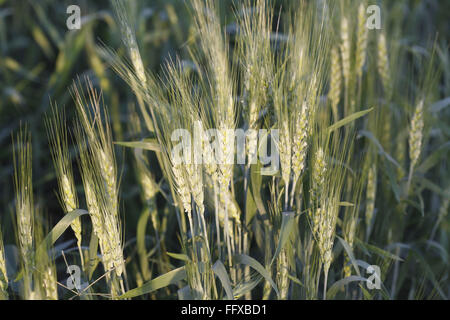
<point>361,44</point>
<point>57,134</point>
<point>22,156</point>
<point>383,65</point>
<point>49,282</point>
<point>318,174</point>
<point>300,143</point>
<point>24,194</point>
<point>345,50</point>
<point>416,134</point>
<point>370,195</point>
<point>324,229</point>
<point>335,82</point>
<point>285,152</point>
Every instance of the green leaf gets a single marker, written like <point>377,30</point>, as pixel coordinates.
<point>178,256</point>
<point>249,261</point>
<point>434,158</point>
<point>169,278</point>
<point>440,105</point>
<point>146,144</point>
<point>140,243</point>
<point>348,119</point>
<point>185,293</point>
<point>221,272</point>
<point>250,208</point>
<point>350,254</point>
<point>255,183</point>
<point>59,229</point>
<point>244,287</point>
<point>381,151</point>
<point>287,223</point>
<point>429,273</point>
<point>93,258</point>
<point>295,280</point>
<point>378,251</point>
<point>338,285</point>
<point>367,295</point>
<point>346,204</point>
<point>393,180</point>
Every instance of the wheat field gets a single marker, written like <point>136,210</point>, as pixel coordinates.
<point>208,150</point>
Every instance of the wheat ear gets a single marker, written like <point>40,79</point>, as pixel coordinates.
<point>24,204</point>
<point>361,42</point>
<point>57,135</point>
<point>335,82</point>
<point>415,139</point>
<point>370,197</point>
<point>345,51</point>
<point>383,66</point>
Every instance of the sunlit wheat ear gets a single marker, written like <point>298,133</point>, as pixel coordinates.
<point>371,192</point>
<point>182,186</point>
<point>319,169</point>
<point>107,168</point>
<point>282,275</point>
<point>49,282</point>
<point>209,159</point>
<point>345,50</point>
<point>325,219</point>
<point>22,156</point>
<point>3,274</point>
<point>335,82</point>
<point>129,39</point>
<point>416,134</point>
<point>57,135</point>
<point>45,266</point>
<point>147,182</point>
<point>88,173</point>
<point>257,63</point>
<point>94,119</point>
<point>215,50</point>
<point>300,143</point>
<point>361,41</point>
<point>232,210</point>
<point>285,152</point>
<point>24,195</point>
<point>383,65</point>
<point>94,194</point>
<point>93,208</point>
